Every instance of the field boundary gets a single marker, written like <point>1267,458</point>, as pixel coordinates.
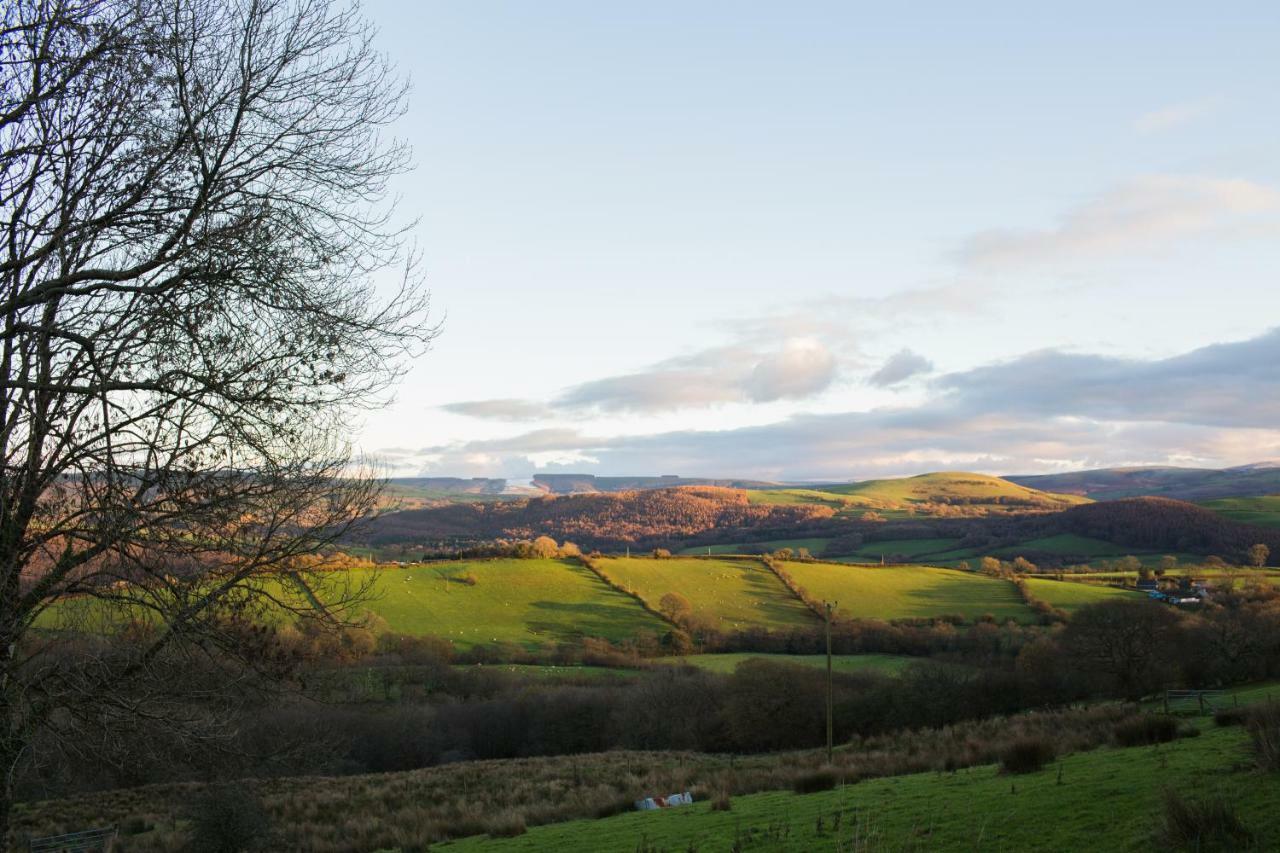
<point>599,572</point>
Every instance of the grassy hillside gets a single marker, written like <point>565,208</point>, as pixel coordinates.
<point>733,594</point>
<point>940,493</point>
<point>517,601</point>
<point>900,592</point>
<point>814,544</point>
<point>1190,484</point>
<point>957,486</point>
<point>1262,511</point>
<point>1070,596</point>
<point>1106,800</point>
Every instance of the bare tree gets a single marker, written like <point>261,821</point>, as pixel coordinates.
<point>192,205</point>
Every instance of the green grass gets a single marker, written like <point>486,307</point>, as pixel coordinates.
<point>552,673</point>
<point>733,594</point>
<point>1105,800</point>
<point>726,663</point>
<point>950,485</point>
<point>905,547</point>
<point>1066,543</point>
<point>814,544</point>
<point>529,602</point>
<point>1263,511</point>
<point>900,592</point>
<point>1070,596</point>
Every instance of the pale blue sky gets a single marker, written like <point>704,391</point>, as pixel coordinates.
<point>689,237</point>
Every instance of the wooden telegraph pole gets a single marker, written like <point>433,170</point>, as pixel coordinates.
<point>829,605</point>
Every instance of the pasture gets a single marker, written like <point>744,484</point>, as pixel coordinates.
<point>1071,596</point>
<point>903,592</point>
<point>732,594</point>
<point>1262,511</point>
<point>529,602</point>
<point>1070,805</point>
<point>815,546</point>
<point>907,548</point>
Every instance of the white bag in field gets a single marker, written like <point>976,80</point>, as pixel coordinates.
<point>650,803</point>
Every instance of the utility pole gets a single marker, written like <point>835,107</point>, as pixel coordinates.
<point>829,605</point>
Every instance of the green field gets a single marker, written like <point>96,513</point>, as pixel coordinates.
<point>1263,511</point>
<point>732,594</point>
<point>815,546</point>
<point>901,592</point>
<point>1106,800</point>
<point>1070,596</point>
<point>905,548</point>
<point>529,602</point>
<point>958,486</point>
<point>1065,543</point>
<point>726,663</point>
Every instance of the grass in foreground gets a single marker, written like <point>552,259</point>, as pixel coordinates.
<point>902,592</point>
<point>1105,800</point>
<point>733,594</point>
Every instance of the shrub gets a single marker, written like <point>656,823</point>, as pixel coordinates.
<point>505,824</point>
<point>822,779</point>
<point>721,803</point>
<point>1026,755</point>
<point>228,819</point>
<point>1200,825</point>
<point>1264,731</point>
<point>1230,716</point>
<point>1145,730</point>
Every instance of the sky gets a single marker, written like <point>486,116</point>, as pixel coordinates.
<point>835,241</point>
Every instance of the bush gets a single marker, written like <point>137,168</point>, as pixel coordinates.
<point>1230,716</point>
<point>228,819</point>
<point>822,779</point>
<point>1145,730</point>
<point>721,802</point>
<point>1200,825</point>
<point>1027,755</point>
<point>505,824</point>
<point>1264,731</point>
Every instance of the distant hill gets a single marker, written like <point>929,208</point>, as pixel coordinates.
<point>944,493</point>
<point>602,519</point>
<point>1188,484</point>
<point>956,487</point>
<point>1159,524</point>
<point>573,484</point>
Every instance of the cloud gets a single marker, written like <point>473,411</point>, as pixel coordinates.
<point>1138,215</point>
<point>502,409</point>
<point>1175,115</point>
<point>799,368</point>
<point>1226,385</point>
<point>1045,411</point>
<point>900,367</point>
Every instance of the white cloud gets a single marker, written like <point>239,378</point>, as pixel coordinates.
<point>1046,411</point>
<point>502,409</point>
<point>1175,115</point>
<point>1142,214</point>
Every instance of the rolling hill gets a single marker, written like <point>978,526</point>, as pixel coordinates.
<point>1189,484</point>
<point>944,493</point>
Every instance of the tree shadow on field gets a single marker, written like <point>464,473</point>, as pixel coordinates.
<point>775,602</point>
<point>968,595</point>
<point>585,618</point>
